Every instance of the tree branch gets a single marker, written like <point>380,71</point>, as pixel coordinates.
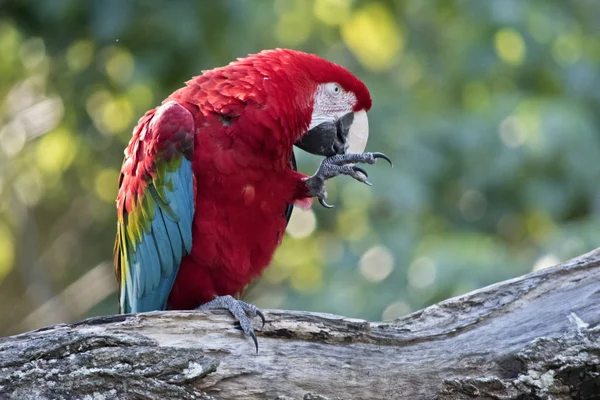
<point>534,337</point>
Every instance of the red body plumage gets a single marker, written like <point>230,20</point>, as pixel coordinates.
<point>246,118</point>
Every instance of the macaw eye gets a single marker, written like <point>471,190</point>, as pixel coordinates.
<point>334,89</point>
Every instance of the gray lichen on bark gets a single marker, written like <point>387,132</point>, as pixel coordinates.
<point>79,363</point>
<point>548,368</point>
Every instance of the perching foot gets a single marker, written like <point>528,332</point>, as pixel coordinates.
<point>240,310</point>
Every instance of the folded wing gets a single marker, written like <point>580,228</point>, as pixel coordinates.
<point>155,207</point>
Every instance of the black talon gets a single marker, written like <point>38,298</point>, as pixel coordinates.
<point>362,171</point>
<point>253,336</point>
<point>262,317</point>
<point>324,203</point>
<point>381,155</point>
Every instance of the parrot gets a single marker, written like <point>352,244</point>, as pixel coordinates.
<point>209,178</point>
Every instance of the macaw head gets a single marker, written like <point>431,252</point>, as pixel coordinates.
<point>339,122</point>
<point>321,105</point>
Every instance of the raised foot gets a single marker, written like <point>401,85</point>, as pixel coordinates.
<point>341,164</point>
<point>240,310</point>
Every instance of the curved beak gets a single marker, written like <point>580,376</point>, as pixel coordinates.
<point>348,134</point>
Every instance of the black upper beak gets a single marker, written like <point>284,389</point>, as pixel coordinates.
<point>329,138</point>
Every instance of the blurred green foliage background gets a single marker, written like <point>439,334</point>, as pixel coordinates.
<point>490,110</point>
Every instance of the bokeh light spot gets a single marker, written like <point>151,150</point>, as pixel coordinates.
<point>332,12</point>
<point>302,223</point>
<point>111,115</point>
<point>141,97</point>
<point>396,310</point>
<point>117,115</point>
<point>29,187</point>
<point>566,50</point>
<point>307,278</point>
<point>294,24</point>
<point>421,273</point>
<point>376,264</point>
<point>373,36</point>
<point>7,253</point>
<point>56,150</point>
<point>510,226</point>
<point>510,46</point>
<point>119,65</point>
<point>472,205</point>
<point>10,40</point>
<point>79,55</point>
<point>352,224</point>
<point>105,184</point>
<point>512,132</point>
<point>33,53</point>
<point>539,224</point>
<point>546,261</point>
<point>12,138</point>
<point>540,26</point>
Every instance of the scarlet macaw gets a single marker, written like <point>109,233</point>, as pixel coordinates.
<point>209,181</point>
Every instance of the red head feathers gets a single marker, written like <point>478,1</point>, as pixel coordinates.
<point>289,84</point>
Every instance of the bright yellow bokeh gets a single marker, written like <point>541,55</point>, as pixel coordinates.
<point>117,115</point>
<point>373,35</point>
<point>294,252</point>
<point>142,97</point>
<point>55,151</point>
<point>111,114</point>
<point>105,184</point>
<point>7,252</point>
<point>10,41</point>
<point>119,65</point>
<point>298,260</point>
<point>307,278</point>
<point>510,46</point>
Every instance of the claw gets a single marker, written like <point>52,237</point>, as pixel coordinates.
<point>362,171</point>
<point>324,203</point>
<point>381,155</point>
<point>253,336</point>
<point>262,318</point>
<point>240,310</point>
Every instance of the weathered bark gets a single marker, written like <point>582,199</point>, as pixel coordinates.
<point>534,337</point>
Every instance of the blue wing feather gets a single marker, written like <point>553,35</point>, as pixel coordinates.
<point>148,267</point>
<point>154,270</point>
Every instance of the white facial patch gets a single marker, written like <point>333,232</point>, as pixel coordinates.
<point>329,104</point>
<point>332,103</point>
<point>358,134</point>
